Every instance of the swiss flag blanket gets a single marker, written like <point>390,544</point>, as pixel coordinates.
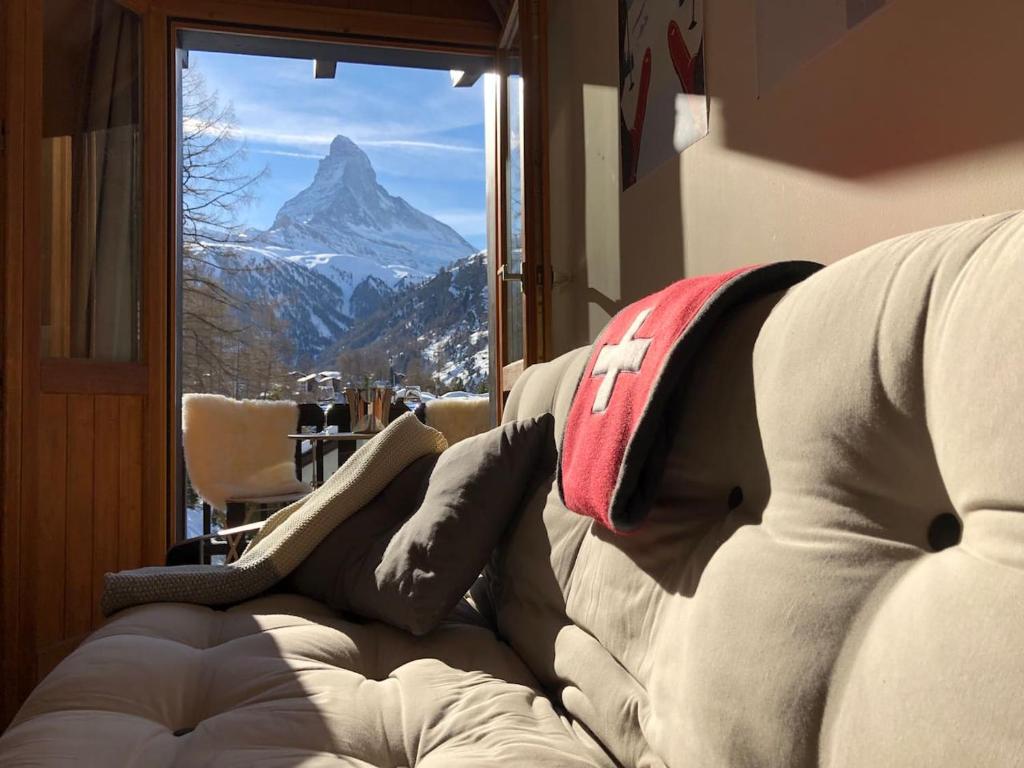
<point>618,435</point>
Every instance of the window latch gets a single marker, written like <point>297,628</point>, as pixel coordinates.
<point>506,276</point>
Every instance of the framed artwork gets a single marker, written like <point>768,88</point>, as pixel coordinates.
<point>663,105</point>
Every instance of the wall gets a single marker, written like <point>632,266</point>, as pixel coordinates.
<point>912,120</point>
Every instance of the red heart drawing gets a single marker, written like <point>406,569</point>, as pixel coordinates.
<point>637,131</point>
<point>685,64</point>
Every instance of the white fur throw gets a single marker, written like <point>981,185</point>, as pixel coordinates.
<point>460,418</point>
<point>239,448</point>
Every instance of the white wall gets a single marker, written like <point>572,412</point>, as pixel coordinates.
<point>914,119</point>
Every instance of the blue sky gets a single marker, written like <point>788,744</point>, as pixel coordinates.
<point>424,138</point>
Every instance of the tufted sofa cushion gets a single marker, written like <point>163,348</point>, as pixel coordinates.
<point>594,614</point>
<point>801,595</point>
<point>284,681</point>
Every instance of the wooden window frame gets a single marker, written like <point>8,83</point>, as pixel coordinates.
<point>524,36</point>
<point>237,18</point>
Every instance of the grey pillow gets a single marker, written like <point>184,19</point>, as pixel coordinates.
<point>476,488</point>
<point>339,572</point>
<point>409,556</point>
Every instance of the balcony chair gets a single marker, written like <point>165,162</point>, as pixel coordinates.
<point>240,460</point>
<point>456,418</point>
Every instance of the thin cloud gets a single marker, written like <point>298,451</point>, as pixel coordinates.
<point>410,144</point>
<point>282,153</point>
<point>282,138</point>
<point>323,140</point>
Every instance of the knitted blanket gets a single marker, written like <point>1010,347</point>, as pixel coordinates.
<point>289,536</point>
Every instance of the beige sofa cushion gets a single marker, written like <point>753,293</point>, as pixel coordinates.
<point>785,606</point>
<point>283,681</point>
<point>585,608</point>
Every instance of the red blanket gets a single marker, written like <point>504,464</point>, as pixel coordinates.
<point>616,437</point>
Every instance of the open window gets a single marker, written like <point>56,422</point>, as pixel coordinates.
<point>287,296</point>
<point>517,191</point>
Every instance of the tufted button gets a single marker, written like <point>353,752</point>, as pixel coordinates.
<point>944,531</point>
<point>735,497</point>
<point>183,731</point>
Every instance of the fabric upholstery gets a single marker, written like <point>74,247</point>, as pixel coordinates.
<point>474,491</point>
<point>784,605</point>
<point>289,535</point>
<point>239,448</point>
<point>283,681</point>
<point>339,572</point>
<point>411,554</point>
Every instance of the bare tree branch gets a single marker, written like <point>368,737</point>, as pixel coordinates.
<point>232,344</point>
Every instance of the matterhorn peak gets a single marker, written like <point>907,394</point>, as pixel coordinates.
<point>345,165</point>
<point>344,203</point>
<point>342,145</point>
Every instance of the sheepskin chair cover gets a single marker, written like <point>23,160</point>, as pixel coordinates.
<point>239,448</point>
<point>457,418</point>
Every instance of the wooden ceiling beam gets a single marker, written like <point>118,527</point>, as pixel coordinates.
<point>375,27</point>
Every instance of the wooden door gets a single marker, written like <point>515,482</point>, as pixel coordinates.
<point>84,392</point>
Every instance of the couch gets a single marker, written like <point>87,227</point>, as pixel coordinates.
<point>832,575</point>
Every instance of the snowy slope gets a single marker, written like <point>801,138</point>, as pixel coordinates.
<point>443,320</point>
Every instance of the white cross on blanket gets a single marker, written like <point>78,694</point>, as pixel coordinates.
<point>613,359</point>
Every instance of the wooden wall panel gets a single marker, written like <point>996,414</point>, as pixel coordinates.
<point>478,10</point>
<point>129,507</point>
<point>79,515</point>
<point>106,534</point>
<point>87,488</point>
<point>12,563</point>
<point>159,291</point>
<point>43,558</point>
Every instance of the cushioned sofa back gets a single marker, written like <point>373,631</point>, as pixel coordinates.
<point>802,595</point>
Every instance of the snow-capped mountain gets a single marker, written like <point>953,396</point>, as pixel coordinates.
<point>348,227</point>
<point>345,211</point>
<point>338,253</point>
